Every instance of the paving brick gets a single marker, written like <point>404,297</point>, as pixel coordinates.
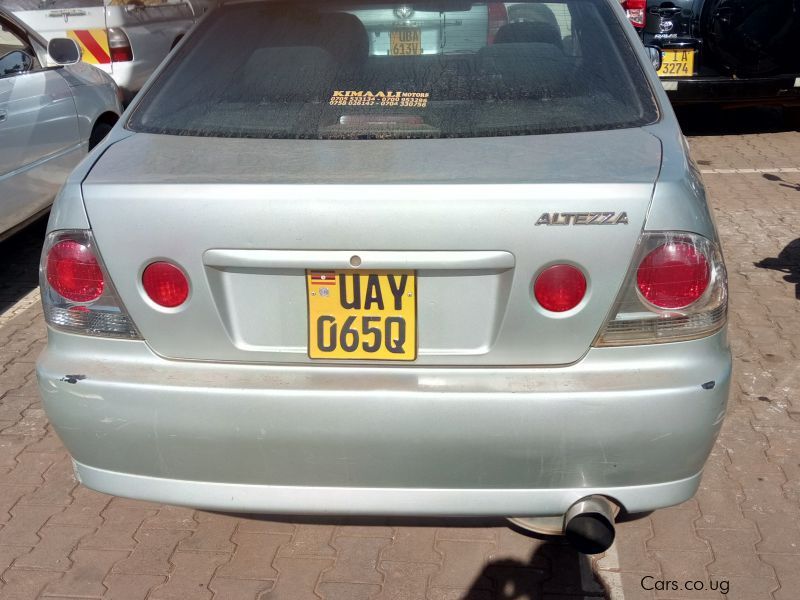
<point>779,532</point>
<point>764,492</point>
<point>368,531</point>
<point>720,509</point>
<point>213,533</point>
<point>85,578</point>
<point>412,544</point>
<point>9,496</point>
<point>59,481</point>
<point>22,584</point>
<point>787,572</point>
<point>631,583</point>
<point>240,589</point>
<point>681,566</point>
<point>119,526</point>
<point>348,591</point>
<point>172,518</point>
<point>297,579</point>
<point>251,524</point>
<point>749,588</point>
<point>734,553</point>
<point>356,560</point>
<point>10,447</point>
<point>460,594</point>
<point>33,423</point>
<point>49,443</point>
<point>25,522</point>
<point>477,534</point>
<point>191,576</point>
<point>405,580</point>
<point>569,572</point>
<point>462,560</point>
<point>519,547</point>
<point>11,408</point>
<point>633,552</point>
<point>152,552</point>
<point>85,508</point>
<point>52,552</point>
<point>30,468</point>
<point>510,581</point>
<point>674,529</point>
<point>8,554</point>
<point>254,555</point>
<point>310,540</point>
<point>133,587</point>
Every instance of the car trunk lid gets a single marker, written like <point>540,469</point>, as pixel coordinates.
<point>246,220</point>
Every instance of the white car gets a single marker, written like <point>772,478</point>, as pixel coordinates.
<point>126,39</point>
<point>51,114</point>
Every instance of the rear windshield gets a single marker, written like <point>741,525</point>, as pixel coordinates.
<point>379,71</point>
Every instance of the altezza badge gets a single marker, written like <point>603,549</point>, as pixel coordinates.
<point>583,218</point>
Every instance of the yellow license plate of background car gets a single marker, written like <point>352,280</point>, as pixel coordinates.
<point>364,315</point>
<point>406,41</point>
<point>677,63</point>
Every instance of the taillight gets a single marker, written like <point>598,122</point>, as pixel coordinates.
<point>560,288</point>
<point>119,45</point>
<point>498,16</point>
<point>635,9</point>
<point>674,275</point>
<point>676,289</point>
<point>73,271</point>
<point>165,284</point>
<point>77,294</point>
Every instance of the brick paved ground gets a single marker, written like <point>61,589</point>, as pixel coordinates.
<point>59,540</point>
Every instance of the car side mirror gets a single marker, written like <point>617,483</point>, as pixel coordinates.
<point>654,53</point>
<point>15,63</point>
<point>64,51</point>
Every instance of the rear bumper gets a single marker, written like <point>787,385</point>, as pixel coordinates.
<point>783,90</point>
<point>635,424</point>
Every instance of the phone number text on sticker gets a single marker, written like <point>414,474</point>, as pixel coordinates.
<point>365,315</point>
<point>380,98</point>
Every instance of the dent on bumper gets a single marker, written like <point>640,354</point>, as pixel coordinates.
<point>635,424</point>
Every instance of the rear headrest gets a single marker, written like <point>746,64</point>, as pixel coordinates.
<point>533,70</point>
<point>287,73</point>
<point>345,37</point>
<point>528,32</point>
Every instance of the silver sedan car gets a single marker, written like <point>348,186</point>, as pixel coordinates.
<point>50,114</point>
<point>303,277</point>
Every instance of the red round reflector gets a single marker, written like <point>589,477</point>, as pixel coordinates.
<point>165,284</point>
<point>673,275</point>
<point>73,271</point>
<point>560,288</point>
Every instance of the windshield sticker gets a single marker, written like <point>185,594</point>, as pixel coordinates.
<point>380,98</point>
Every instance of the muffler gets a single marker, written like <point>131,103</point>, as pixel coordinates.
<point>589,524</point>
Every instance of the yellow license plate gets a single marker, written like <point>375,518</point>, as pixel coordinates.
<point>364,315</point>
<point>677,63</point>
<point>405,42</point>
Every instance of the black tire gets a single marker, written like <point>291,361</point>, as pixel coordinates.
<point>100,131</point>
<point>751,38</point>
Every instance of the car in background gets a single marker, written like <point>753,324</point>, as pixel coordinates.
<point>50,115</point>
<point>317,277</point>
<point>421,28</point>
<point>724,51</point>
<point>126,39</point>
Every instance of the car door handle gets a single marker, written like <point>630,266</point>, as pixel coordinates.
<point>3,116</point>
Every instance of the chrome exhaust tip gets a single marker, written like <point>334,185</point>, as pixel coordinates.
<point>589,525</point>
